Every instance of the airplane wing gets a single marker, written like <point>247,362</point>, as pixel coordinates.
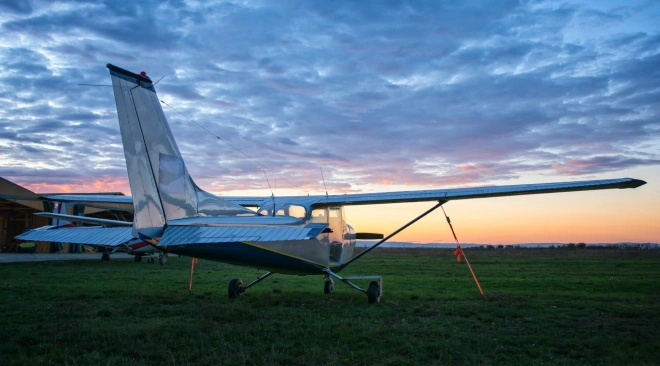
<point>478,192</point>
<point>102,201</point>
<point>246,201</point>
<point>85,220</point>
<point>447,194</point>
<point>390,197</point>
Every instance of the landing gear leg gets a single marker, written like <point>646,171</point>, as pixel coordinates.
<point>162,258</point>
<point>105,257</point>
<point>373,292</point>
<point>328,285</point>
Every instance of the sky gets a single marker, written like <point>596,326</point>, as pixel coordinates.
<point>378,95</point>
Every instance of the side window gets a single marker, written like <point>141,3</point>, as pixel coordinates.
<point>318,215</point>
<point>296,211</point>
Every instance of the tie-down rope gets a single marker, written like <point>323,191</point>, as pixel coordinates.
<point>458,253</point>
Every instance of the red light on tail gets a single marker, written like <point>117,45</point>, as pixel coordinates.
<point>143,73</point>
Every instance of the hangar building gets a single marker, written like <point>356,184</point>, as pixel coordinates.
<point>18,206</point>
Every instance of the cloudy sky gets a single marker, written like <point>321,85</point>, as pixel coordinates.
<point>382,95</point>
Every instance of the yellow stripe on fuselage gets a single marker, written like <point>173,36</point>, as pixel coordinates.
<point>288,255</point>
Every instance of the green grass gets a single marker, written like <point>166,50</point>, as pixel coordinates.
<point>545,306</point>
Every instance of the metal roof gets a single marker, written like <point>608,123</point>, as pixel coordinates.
<point>80,235</point>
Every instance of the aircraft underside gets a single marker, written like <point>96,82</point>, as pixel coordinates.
<point>250,255</point>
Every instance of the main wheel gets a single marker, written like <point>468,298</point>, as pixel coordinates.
<point>373,292</point>
<point>105,257</point>
<point>235,288</point>
<point>138,258</point>
<point>328,286</point>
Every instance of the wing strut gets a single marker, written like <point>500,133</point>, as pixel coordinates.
<point>440,203</point>
<point>459,251</point>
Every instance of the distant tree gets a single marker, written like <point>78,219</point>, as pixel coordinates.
<point>500,246</point>
<point>582,245</point>
<point>570,245</point>
<point>491,247</point>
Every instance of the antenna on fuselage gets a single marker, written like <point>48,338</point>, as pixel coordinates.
<point>272,195</point>
<point>324,186</point>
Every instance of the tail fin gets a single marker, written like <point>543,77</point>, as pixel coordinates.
<point>160,184</point>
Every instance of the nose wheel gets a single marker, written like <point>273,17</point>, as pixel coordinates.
<point>373,292</point>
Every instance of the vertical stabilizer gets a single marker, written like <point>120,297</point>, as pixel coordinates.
<point>160,184</point>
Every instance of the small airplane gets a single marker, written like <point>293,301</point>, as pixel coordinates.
<point>60,220</point>
<point>298,235</point>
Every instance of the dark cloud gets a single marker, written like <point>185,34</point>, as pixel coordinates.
<point>402,92</point>
<point>17,6</point>
<point>599,164</point>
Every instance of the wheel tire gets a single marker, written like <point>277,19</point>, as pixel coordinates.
<point>138,258</point>
<point>105,257</point>
<point>235,288</point>
<point>329,286</point>
<point>373,292</point>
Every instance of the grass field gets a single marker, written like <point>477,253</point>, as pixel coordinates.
<point>545,306</point>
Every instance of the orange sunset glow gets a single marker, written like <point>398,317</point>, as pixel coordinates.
<point>607,216</point>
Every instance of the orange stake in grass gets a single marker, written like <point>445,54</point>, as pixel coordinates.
<point>192,269</point>
<point>458,253</point>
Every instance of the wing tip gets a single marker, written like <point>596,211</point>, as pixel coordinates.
<point>634,183</point>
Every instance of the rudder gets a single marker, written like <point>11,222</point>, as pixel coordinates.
<point>160,184</point>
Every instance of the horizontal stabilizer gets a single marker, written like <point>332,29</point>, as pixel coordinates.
<point>178,235</point>
<point>80,235</point>
<point>85,219</point>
